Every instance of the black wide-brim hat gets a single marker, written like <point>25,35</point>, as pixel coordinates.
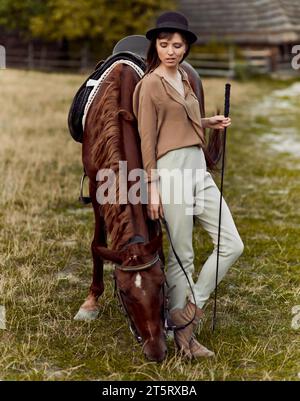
<point>174,22</point>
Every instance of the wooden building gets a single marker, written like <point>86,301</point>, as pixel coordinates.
<point>272,25</point>
<point>265,31</point>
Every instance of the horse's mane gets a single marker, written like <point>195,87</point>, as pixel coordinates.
<point>107,150</point>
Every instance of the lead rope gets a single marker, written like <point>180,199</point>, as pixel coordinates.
<point>172,327</point>
<point>123,308</point>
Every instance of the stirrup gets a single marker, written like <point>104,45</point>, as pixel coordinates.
<point>85,200</point>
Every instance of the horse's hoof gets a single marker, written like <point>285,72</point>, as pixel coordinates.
<point>86,315</point>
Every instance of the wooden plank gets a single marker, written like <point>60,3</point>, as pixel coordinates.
<point>257,53</point>
<point>45,63</point>
<point>213,64</point>
<point>213,72</point>
<point>207,56</point>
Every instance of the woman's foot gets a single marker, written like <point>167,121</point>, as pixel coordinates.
<point>183,336</point>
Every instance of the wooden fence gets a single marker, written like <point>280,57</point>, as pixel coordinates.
<point>48,59</point>
<point>229,65</point>
<point>207,64</point>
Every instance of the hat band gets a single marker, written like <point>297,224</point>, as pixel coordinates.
<point>171,25</point>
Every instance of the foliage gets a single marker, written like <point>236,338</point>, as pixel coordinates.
<point>80,20</point>
<point>213,46</point>
<point>243,71</point>
<point>18,14</point>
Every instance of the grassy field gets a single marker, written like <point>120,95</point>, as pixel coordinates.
<point>45,261</point>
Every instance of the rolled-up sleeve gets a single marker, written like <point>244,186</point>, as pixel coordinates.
<point>146,114</point>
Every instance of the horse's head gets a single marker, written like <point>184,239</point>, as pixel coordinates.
<point>140,283</point>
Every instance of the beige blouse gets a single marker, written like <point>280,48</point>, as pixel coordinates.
<point>166,120</point>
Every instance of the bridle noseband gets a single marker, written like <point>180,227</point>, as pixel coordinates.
<point>137,267</point>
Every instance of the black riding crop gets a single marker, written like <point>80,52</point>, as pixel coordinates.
<point>226,114</point>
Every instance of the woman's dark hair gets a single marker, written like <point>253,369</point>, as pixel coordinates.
<point>153,60</point>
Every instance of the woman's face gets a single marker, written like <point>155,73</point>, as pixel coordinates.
<point>171,51</point>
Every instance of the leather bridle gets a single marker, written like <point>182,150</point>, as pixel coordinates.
<point>168,325</point>
<point>137,267</point>
<point>120,293</point>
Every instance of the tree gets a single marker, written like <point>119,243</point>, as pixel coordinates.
<point>98,22</point>
<point>18,14</point>
<point>77,19</point>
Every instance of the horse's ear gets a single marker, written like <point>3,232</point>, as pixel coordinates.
<point>154,244</point>
<point>108,254</point>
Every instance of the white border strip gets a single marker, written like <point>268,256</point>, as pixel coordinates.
<point>97,84</point>
<point>2,317</point>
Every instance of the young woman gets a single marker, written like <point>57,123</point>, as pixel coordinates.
<point>172,140</point>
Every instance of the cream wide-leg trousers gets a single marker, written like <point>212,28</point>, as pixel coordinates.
<point>187,192</point>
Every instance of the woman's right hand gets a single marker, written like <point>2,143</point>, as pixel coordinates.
<point>154,206</point>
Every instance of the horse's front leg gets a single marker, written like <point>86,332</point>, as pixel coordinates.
<point>89,310</point>
<point>97,286</point>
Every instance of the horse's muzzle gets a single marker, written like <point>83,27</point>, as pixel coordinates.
<point>155,350</point>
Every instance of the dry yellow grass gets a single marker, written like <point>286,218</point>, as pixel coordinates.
<point>45,262</point>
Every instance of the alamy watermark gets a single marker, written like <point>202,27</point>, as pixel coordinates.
<point>2,317</point>
<point>296,59</point>
<point>296,318</point>
<point>176,186</point>
<point>2,57</point>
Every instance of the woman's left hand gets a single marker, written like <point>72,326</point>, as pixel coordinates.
<point>218,122</point>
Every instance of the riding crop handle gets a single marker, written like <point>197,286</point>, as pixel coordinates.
<point>227,100</point>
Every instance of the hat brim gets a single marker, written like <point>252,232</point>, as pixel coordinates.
<point>152,33</point>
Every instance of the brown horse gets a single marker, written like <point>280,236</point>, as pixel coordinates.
<point>111,135</point>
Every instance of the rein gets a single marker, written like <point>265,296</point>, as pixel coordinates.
<point>123,308</point>
<point>172,327</point>
<point>168,324</point>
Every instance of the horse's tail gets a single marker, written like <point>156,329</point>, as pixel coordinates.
<point>214,149</point>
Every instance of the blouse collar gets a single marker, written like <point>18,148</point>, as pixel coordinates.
<point>191,111</point>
